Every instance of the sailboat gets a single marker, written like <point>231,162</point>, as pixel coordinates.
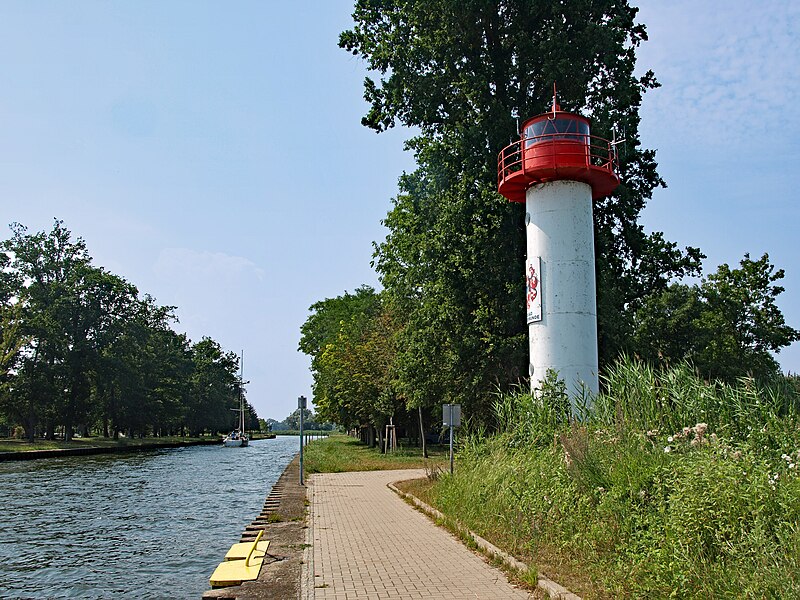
<point>238,437</point>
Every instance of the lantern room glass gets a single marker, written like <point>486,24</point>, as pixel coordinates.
<point>560,128</point>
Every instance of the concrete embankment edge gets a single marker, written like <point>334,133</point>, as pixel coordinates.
<point>59,452</point>
<point>283,521</point>
<point>552,589</point>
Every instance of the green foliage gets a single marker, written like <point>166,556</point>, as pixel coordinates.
<point>446,266</point>
<point>462,72</point>
<point>707,505</point>
<point>351,341</point>
<point>728,326</point>
<point>535,419</point>
<point>668,400</point>
<point>79,349</point>
<point>339,453</point>
<point>214,395</point>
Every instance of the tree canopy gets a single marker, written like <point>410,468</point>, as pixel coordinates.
<point>81,350</point>
<point>463,74</point>
<point>728,326</point>
<point>351,339</point>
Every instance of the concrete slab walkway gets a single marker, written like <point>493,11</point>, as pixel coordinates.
<point>365,542</point>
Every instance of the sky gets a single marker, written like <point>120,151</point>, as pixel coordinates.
<point>212,153</point>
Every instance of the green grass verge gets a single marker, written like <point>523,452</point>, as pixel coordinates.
<point>669,487</point>
<point>340,453</point>
<point>615,517</point>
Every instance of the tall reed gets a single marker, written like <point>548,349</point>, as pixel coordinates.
<point>664,485</point>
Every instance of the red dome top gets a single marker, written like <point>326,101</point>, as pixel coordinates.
<point>557,146</point>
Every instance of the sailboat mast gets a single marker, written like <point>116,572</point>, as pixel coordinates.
<point>241,394</point>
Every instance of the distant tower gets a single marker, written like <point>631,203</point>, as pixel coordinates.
<point>557,168</point>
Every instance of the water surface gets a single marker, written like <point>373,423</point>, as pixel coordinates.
<point>152,524</point>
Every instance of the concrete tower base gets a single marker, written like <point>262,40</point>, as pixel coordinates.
<point>560,238</point>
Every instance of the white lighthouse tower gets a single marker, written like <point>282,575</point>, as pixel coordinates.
<point>557,168</point>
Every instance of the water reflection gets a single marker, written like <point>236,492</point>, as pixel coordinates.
<point>151,524</point>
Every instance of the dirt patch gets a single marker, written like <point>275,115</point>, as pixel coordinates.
<point>283,520</point>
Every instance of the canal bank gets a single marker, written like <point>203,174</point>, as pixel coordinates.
<point>282,520</point>
<point>94,450</point>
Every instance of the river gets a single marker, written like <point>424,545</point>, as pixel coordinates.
<point>152,524</point>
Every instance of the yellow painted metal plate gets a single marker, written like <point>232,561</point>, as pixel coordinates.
<point>234,572</point>
<point>240,551</point>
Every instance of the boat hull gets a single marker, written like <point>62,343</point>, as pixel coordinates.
<point>237,443</point>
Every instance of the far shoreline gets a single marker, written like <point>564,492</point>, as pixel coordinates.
<point>113,449</point>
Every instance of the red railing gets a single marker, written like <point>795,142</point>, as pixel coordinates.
<point>563,148</point>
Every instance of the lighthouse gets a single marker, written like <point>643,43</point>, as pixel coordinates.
<point>557,168</point>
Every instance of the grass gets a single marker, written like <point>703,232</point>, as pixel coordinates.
<point>17,445</point>
<point>340,453</point>
<point>667,487</point>
<point>421,488</point>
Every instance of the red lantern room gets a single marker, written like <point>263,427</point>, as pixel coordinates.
<point>557,146</point>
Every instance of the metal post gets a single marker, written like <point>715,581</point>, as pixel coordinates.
<point>451,438</point>
<point>301,404</point>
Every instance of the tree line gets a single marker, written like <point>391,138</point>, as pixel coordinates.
<point>449,324</point>
<point>311,422</point>
<point>84,352</point>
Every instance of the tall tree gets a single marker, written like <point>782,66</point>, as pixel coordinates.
<point>56,275</point>
<point>78,347</point>
<point>728,326</point>
<point>352,343</point>
<point>214,395</point>
<point>462,72</point>
<point>320,334</point>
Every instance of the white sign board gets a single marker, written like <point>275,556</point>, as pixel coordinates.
<point>533,289</point>
<point>456,415</point>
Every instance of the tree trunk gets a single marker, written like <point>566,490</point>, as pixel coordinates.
<point>30,430</point>
<point>422,434</point>
<point>380,439</point>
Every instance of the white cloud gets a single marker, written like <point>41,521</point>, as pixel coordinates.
<point>203,266</point>
<point>730,70</point>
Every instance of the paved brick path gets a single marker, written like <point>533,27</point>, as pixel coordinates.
<point>367,543</point>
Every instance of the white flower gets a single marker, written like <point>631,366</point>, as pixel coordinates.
<point>670,439</point>
<point>667,449</point>
<point>791,465</point>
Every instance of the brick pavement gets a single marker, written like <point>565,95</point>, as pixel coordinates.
<point>367,543</point>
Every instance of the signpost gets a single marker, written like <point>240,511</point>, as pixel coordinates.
<point>301,404</point>
<point>451,418</point>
